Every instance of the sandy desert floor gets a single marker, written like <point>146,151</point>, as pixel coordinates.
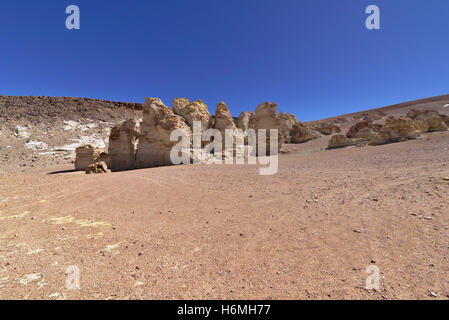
<point>224,232</point>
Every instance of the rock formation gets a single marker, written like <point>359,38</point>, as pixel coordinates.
<point>299,133</point>
<point>195,111</point>
<point>154,144</point>
<point>287,122</point>
<point>224,121</point>
<point>246,120</point>
<point>86,155</point>
<point>122,145</point>
<point>325,127</point>
<point>103,157</point>
<point>223,118</point>
<point>363,129</point>
<point>429,120</point>
<point>396,130</point>
<point>341,141</point>
<point>97,167</point>
<point>266,119</point>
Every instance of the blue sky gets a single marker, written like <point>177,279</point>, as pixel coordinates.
<point>315,58</point>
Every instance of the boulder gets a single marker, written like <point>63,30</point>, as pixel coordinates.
<point>154,145</point>
<point>195,111</point>
<point>364,130</point>
<point>429,120</point>
<point>97,167</point>
<point>122,145</point>
<point>287,122</point>
<point>323,126</point>
<point>266,119</point>
<point>86,155</point>
<point>299,133</point>
<point>340,141</point>
<point>396,130</point>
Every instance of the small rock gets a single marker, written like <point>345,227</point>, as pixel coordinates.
<point>373,261</point>
<point>432,294</point>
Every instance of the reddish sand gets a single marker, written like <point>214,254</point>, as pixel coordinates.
<point>224,232</point>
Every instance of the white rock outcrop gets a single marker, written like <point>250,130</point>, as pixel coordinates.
<point>86,155</point>
<point>192,111</point>
<point>154,146</point>
<point>123,144</point>
<point>267,119</point>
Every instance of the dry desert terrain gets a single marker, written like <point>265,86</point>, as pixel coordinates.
<point>225,232</point>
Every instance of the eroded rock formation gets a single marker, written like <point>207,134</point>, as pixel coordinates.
<point>287,122</point>
<point>266,119</point>
<point>224,122</point>
<point>429,120</point>
<point>97,167</point>
<point>193,111</point>
<point>341,141</point>
<point>223,118</point>
<point>299,133</point>
<point>122,145</point>
<point>324,127</point>
<point>154,146</point>
<point>246,120</point>
<point>86,155</point>
<point>396,130</point>
<point>364,130</point>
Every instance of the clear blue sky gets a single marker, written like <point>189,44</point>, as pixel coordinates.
<point>315,58</point>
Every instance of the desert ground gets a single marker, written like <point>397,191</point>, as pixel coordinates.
<point>223,231</point>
